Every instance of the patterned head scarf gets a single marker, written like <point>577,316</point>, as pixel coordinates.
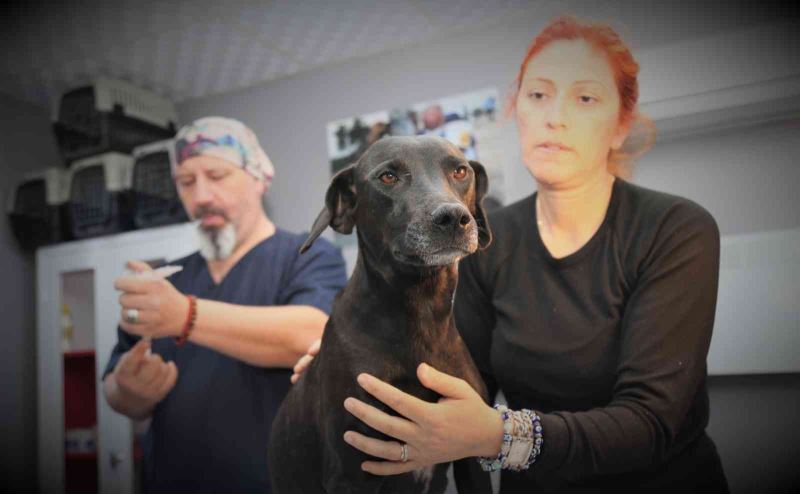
<point>223,138</point>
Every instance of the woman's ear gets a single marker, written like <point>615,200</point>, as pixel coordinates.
<point>623,129</point>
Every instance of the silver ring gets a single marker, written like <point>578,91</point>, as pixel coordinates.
<point>404,453</point>
<point>132,315</point>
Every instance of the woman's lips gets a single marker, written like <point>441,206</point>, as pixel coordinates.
<point>552,147</point>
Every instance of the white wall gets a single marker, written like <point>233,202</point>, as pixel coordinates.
<point>26,144</point>
<point>747,178</point>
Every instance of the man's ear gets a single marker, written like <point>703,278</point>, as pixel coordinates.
<point>340,207</point>
<point>481,186</point>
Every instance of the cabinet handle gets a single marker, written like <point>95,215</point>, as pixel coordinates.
<point>116,459</point>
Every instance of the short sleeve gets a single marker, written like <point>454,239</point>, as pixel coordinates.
<point>315,277</point>
<point>125,341</point>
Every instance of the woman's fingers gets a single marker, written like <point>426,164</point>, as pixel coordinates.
<point>396,427</point>
<point>388,450</point>
<point>444,384</point>
<point>405,404</point>
<point>389,467</point>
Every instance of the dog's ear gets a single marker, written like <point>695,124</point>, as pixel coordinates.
<point>340,207</point>
<point>481,186</point>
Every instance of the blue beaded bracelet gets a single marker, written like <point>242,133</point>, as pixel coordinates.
<point>522,441</point>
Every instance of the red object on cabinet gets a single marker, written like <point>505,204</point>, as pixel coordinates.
<point>80,412</point>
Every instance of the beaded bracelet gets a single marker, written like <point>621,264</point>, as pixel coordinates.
<point>189,324</point>
<point>522,441</point>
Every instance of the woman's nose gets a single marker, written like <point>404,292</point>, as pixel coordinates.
<point>556,114</point>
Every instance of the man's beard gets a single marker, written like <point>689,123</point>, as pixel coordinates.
<point>216,244</point>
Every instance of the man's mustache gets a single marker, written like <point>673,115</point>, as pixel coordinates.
<point>209,210</point>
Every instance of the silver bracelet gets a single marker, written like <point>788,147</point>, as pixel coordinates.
<point>522,441</point>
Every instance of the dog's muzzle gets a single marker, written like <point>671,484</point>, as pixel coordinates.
<point>441,237</point>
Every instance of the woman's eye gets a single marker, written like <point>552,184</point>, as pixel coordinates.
<point>388,178</point>
<point>460,173</point>
<point>218,176</point>
<point>586,99</point>
<point>537,95</point>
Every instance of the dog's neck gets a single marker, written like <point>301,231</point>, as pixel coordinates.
<point>417,298</point>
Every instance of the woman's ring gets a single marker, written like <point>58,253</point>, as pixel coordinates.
<point>132,315</point>
<point>404,453</point>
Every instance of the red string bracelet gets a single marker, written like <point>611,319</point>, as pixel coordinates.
<point>189,324</point>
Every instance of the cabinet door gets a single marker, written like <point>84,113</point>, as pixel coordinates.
<point>67,377</point>
<point>81,274</point>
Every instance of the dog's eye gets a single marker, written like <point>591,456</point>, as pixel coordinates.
<point>388,178</point>
<point>460,173</point>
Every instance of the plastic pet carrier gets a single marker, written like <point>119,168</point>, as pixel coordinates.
<point>110,115</point>
<point>99,200</point>
<point>36,207</point>
<point>155,198</point>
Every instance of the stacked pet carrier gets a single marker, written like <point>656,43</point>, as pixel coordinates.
<point>114,141</point>
<point>155,199</point>
<point>36,208</point>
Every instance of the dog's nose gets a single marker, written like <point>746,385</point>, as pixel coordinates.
<point>451,217</point>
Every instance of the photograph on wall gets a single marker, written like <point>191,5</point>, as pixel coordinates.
<point>471,121</point>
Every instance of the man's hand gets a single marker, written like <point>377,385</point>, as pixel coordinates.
<point>144,378</point>
<point>305,360</point>
<point>159,308</point>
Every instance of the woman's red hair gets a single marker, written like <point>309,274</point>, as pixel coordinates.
<point>625,70</point>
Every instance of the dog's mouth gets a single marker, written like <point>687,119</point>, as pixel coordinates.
<point>440,257</point>
<point>423,245</point>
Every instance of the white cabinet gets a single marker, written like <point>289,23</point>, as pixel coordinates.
<point>81,274</point>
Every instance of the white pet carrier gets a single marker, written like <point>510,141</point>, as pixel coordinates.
<point>155,198</point>
<point>35,208</point>
<point>110,115</point>
<point>99,190</point>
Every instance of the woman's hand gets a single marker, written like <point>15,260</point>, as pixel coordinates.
<point>151,306</point>
<point>458,426</point>
<point>304,361</point>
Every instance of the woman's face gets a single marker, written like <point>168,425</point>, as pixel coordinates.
<point>568,114</point>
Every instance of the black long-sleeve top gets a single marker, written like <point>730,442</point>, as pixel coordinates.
<point>607,344</point>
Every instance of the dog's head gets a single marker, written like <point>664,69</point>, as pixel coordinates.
<point>417,199</point>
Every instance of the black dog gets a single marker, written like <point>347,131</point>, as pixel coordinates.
<point>416,203</point>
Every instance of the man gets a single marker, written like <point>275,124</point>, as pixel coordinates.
<point>225,329</point>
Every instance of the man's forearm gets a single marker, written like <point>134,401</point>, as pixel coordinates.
<point>127,405</point>
<point>263,336</point>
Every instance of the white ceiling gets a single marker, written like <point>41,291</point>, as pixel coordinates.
<point>186,49</point>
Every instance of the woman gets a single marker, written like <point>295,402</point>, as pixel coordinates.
<point>592,311</point>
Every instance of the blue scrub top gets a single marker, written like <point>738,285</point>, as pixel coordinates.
<point>210,433</point>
